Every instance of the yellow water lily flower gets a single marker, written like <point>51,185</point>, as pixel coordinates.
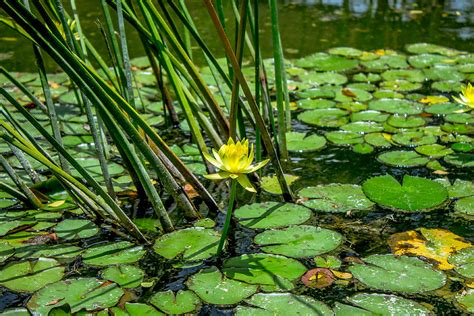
<point>466,97</point>
<point>234,161</point>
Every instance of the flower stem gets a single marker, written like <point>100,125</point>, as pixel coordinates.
<point>233,190</point>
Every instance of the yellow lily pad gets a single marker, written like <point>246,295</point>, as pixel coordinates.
<point>434,244</point>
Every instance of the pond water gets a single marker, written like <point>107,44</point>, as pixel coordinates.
<point>306,27</point>
<point>383,159</point>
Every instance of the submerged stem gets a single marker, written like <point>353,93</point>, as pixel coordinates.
<point>230,207</point>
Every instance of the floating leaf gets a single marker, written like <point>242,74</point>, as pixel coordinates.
<point>271,215</point>
<point>413,139</point>
<point>434,150</point>
<point>30,276</point>
<point>299,142</point>
<point>112,253</point>
<point>344,138</point>
<point>325,117</point>
<point>414,194</point>
<point>271,184</point>
<point>282,304</point>
<point>6,251</point>
<point>398,106</point>
<point>127,276</point>
<point>398,274</point>
<point>70,229</point>
<point>264,269</point>
<point>139,309</point>
<point>465,299</point>
<point>299,241</point>
<point>434,244</point>
<point>172,303</point>
<point>402,159</point>
<point>89,294</point>
<point>464,160</point>
<point>367,304</point>
<point>336,197</point>
<point>465,207</point>
<point>192,244</point>
<point>463,262</point>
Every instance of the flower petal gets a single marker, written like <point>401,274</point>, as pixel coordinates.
<point>213,161</point>
<point>245,183</point>
<point>257,166</point>
<point>217,176</point>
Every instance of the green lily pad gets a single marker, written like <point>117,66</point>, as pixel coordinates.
<point>460,118</point>
<point>426,48</point>
<point>398,274</point>
<point>140,309</point>
<point>112,253</point>
<point>446,86</point>
<point>178,303</point>
<point>299,241</point>
<point>352,94</point>
<point>370,116</point>
<point>425,60</point>
<point>434,150</point>
<point>443,108</point>
<point>6,203</point>
<point>369,304</point>
<point>386,62</point>
<point>345,51</point>
<point>324,117</point>
<point>15,226</point>
<point>403,121</point>
<point>271,185</point>
<point>443,72</point>
<point>214,288</point>
<point>264,269</point>
<point>271,215</point>
<point>414,194</point>
<point>70,229</point>
<point>18,311</point>
<point>462,147</point>
<point>191,244</point>
<point>459,189</point>
<point>321,78</point>
<point>366,77</point>
<point>299,142</point>
<point>362,127</point>
<point>88,294</point>
<point>465,207</point>
<point>312,104</point>
<point>325,62</point>
<point>30,276</point>
<point>463,260</point>
<point>282,304</point>
<point>324,92</point>
<point>401,85</point>
<point>378,140</point>
<point>363,149</point>
<point>402,159</point>
<point>398,106</point>
<point>387,94</point>
<point>344,138</point>
<point>413,139</point>
<point>465,299</point>
<point>339,198</point>
<point>127,276</point>
<point>410,75</point>
<point>463,160</point>
<point>61,252</point>
<point>6,251</point>
<point>78,140</point>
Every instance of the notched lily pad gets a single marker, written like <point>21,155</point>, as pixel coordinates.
<point>127,276</point>
<point>113,253</point>
<point>87,294</point>
<point>402,159</point>
<point>338,198</point>
<point>70,229</point>
<point>414,194</point>
<point>299,241</point>
<point>171,303</point>
<point>325,117</point>
<point>191,244</point>
<point>271,215</point>
<point>299,142</point>
<point>214,288</point>
<point>398,274</point>
<point>282,304</point>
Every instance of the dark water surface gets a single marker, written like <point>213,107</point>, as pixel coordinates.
<point>307,26</point>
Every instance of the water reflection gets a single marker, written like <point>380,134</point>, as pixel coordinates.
<point>308,26</point>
